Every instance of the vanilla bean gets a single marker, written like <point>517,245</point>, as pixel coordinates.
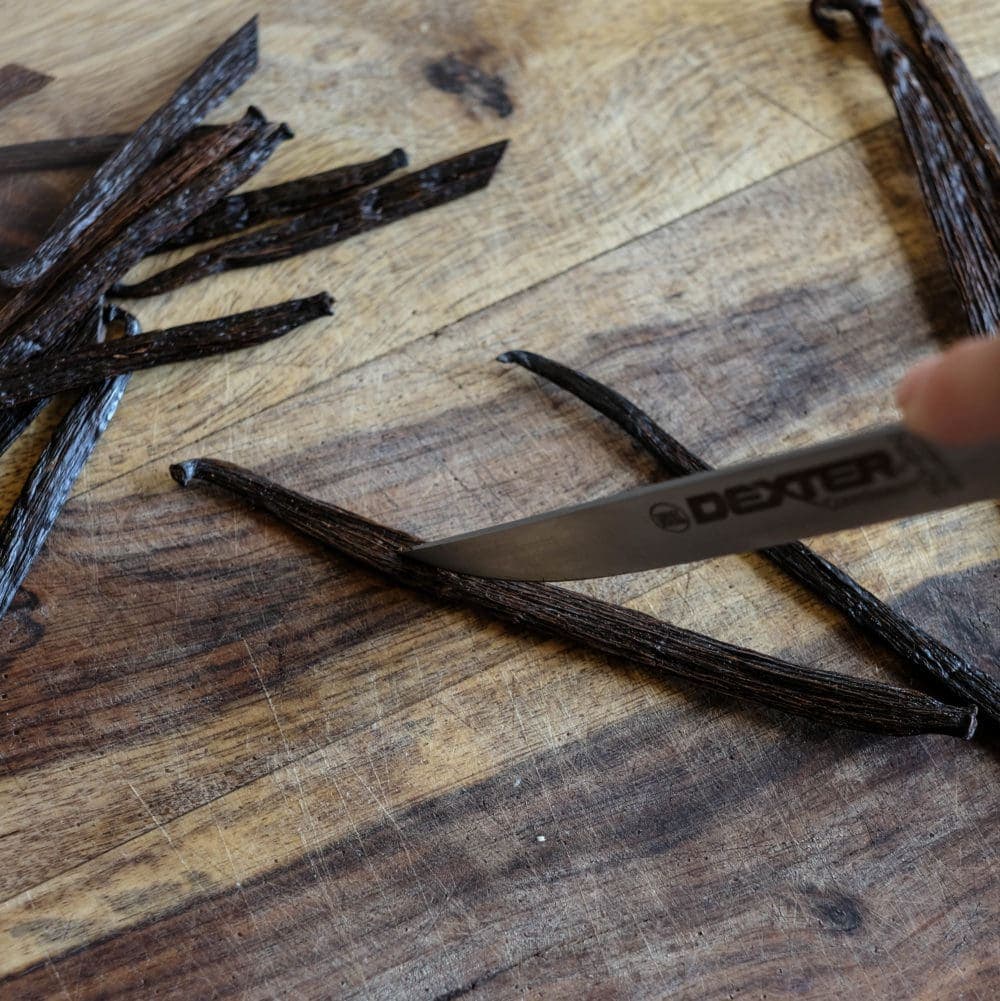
<point>54,373</point>
<point>836,588</point>
<point>14,420</point>
<point>73,151</point>
<point>180,167</point>
<point>620,632</point>
<point>965,232</point>
<point>946,64</point>
<point>71,296</point>
<point>19,81</point>
<point>239,212</point>
<point>30,519</point>
<point>214,80</point>
<point>423,189</point>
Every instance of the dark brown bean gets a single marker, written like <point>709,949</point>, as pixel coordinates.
<point>30,519</point>
<point>71,296</point>
<point>966,228</point>
<point>54,373</point>
<point>74,151</point>
<point>621,632</point>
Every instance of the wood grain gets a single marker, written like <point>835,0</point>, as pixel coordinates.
<point>231,765</point>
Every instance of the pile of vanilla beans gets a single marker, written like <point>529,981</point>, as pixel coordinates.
<point>166,186</point>
<point>953,138</point>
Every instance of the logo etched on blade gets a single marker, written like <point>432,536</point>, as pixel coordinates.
<point>669,517</point>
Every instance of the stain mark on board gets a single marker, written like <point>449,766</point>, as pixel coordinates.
<point>455,75</point>
<point>838,912</point>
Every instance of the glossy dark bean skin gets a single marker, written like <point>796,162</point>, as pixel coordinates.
<point>622,632</point>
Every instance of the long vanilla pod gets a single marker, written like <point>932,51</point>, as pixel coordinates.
<point>71,296</point>
<point>621,632</point>
<point>386,203</point>
<point>251,208</point>
<point>30,519</point>
<point>932,658</point>
<point>54,373</point>
<point>18,81</point>
<point>967,234</point>
<point>214,80</point>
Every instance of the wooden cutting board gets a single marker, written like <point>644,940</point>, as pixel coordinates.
<point>232,764</point>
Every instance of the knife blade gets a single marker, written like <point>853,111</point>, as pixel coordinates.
<point>878,475</point>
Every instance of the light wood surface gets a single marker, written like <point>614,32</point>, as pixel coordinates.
<point>233,765</point>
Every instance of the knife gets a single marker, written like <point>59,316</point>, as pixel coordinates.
<point>877,475</point>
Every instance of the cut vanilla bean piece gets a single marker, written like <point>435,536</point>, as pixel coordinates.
<point>621,632</point>
<point>946,64</point>
<point>423,189</point>
<point>71,296</point>
<point>14,420</point>
<point>966,234</point>
<point>836,588</point>
<point>30,519</point>
<point>19,81</point>
<point>213,81</point>
<point>74,151</point>
<point>54,373</point>
<point>239,212</point>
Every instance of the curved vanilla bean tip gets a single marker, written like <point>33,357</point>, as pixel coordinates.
<point>863,12</point>
<point>834,586</point>
<point>831,699</point>
<point>184,472</point>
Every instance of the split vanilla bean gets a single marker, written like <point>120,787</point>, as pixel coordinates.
<point>54,373</point>
<point>213,81</point>
<point>621,632</point>
<point>19,81</point>
<point>30,519</point>
<point>71,296</point>
<point>239,212</point>
<point>932,658</point>
<point>966,228</point>
<point>386,203</point>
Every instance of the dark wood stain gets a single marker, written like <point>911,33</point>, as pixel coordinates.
<point>453,74</point>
